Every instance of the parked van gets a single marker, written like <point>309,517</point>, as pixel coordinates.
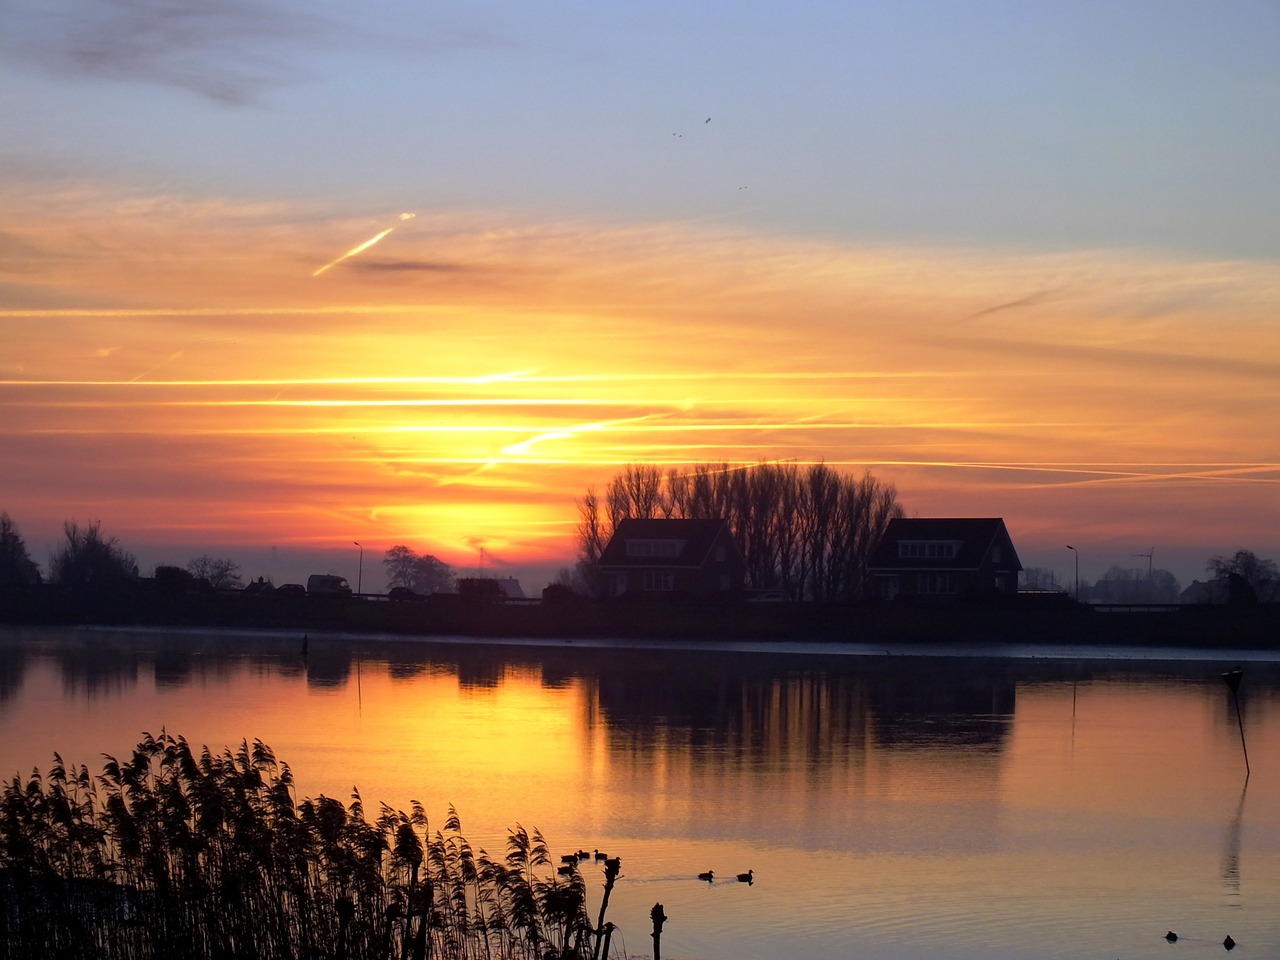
<point>327,585</point>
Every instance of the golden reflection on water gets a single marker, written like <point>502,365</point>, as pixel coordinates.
<point>890,807</point>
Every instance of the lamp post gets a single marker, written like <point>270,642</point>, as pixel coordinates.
<point>1077,553</point>
<point>360,571</point>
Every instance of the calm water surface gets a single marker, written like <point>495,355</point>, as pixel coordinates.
<point>891,806</point>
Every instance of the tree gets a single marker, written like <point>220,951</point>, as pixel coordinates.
<point>89,560</point>
<point>1134,585</point>
<point>421,573</point>
<point>1040,578</point>
<point>808,532</point>
<point>17,569</point>
<point>1261,576</point>
<point>222,574</point>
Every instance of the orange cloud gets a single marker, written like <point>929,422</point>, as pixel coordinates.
<point>179,348</point>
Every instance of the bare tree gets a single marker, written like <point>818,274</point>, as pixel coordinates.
<point>222,574</point>
<point>1039,578</point>
<point>808,532</point>
<point>89,560</point>
<point>592,536</point>
<point>1262,576</point>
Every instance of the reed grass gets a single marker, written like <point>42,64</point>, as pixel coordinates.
<point>174,854</point>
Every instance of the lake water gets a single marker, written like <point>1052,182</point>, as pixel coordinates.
<point>1022,803</point>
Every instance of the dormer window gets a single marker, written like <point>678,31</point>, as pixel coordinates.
<point>660,549</point>
<point>928,549</point>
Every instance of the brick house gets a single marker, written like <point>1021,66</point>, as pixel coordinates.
<point>941,558</point>
<point>670,557</point>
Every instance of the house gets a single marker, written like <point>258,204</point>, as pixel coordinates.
<point>944,557</point>
<point>672,557</point>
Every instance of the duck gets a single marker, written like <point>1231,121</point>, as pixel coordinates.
<point>601,857</point>
<point>583,855</point>
<point>565,871</point>
<point>747,877</point>
<point>1229,943</point>
<point>709,876</point>
<point>1171,937</point>
<point>569,858</point>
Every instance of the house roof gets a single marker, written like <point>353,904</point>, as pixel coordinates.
<point>697,537</point>
<point>975,535</point>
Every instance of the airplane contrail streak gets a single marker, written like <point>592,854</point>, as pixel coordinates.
<point>353,251</point>
<point>364,246</point>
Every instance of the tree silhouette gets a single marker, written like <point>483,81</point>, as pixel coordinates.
<point>222,574</point>
<point>1261,576</point>
<point>90,561</point>
<point>17,569</point>
<point>421,573</point>
<point>808,532</point>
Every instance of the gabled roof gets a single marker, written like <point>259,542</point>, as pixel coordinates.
<point>975,535</point>
<point>697,537</point>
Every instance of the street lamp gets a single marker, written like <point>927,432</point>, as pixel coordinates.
<point>360,572</point>
<point>1077,553</point>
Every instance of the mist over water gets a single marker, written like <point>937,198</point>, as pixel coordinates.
<point>890,806</point>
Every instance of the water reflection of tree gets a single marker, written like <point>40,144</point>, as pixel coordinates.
<point>811,712</point>
<point>13,669</point>
<point>95,670</point>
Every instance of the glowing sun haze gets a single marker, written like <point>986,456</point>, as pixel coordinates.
<point>231,324</point>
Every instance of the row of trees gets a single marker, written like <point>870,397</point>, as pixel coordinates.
<point>1240,577</point>
<point>808,531</point>
<point>88,559</point>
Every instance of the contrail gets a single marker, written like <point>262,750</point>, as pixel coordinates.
<point>363,247</point>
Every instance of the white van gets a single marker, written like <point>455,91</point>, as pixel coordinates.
<point>327,585</point>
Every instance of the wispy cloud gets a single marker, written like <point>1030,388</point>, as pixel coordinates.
<point>225,50</point>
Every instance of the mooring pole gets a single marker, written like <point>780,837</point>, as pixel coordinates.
<point>612,867</point>
<point>658,918</point>
<point>1232,679</point>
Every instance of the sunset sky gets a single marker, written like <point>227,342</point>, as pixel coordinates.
<point>280,277</point>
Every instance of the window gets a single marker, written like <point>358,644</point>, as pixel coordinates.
<point>654,548</point>
<point>721,553</point>
<point>936,583</point>
<point>659,580</point>
<point>928,549</point>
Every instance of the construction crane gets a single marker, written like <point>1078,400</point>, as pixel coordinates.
<point>1149,555</point>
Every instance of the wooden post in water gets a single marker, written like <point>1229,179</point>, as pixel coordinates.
<point>612,867</point>
<point>1232,679</point>
<point>658,918</point>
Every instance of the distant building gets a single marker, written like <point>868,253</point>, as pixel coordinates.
<point>940,558</point>
<point>670,557</point>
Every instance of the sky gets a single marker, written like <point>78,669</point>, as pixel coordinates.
<point>278,279</point>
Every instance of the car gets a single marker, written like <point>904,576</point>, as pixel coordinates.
<point>403,594</point>
<point>291,590</point>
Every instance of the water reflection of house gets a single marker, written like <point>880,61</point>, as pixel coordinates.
<point>672,557</point>
<point>944,557</point>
